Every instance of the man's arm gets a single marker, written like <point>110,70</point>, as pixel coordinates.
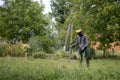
<point>74,44</point>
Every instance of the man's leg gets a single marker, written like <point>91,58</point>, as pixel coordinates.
<point>81,56</point>
<point>87,56</point>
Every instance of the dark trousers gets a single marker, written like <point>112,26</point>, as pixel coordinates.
<point>86,56</point>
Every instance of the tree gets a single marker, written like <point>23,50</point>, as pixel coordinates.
<point>104,17</point>
<point>21,19</point>
<point>60,9</point>
<point>95,18</point>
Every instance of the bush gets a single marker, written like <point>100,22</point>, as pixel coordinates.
<point>61,54</point>
<point>15,50</point>
<point>41,42</point>
<point>11,49</point>
<point>75,56</point>
<point>91,52</point>
<point>39,54</point>
<point>3,46</point>
<point>107,53</point>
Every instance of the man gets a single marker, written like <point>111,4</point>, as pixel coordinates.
<point>83,43</point>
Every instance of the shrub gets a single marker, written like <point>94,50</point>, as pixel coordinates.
<point>61,54</point>
<point>107,53</point>
<point>34,43</point>
<point>91,52</point>
<point>3,46</point>
<point>12,49</point>
<point>15,50</point>
<point>41,42</point>
<point>75,56</point>
<point>39,54</point>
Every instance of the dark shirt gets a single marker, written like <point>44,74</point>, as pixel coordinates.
<point>82,41</point>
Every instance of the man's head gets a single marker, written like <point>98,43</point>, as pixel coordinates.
<point>79,32</point>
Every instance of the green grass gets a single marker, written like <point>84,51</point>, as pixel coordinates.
<point>61,69</point>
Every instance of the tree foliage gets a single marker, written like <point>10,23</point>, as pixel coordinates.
<point>104,17</point>
<point>100,20</point>
<point>60,9</point>
<point>21,19</point>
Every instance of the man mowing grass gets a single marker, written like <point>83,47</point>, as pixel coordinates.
<point>82,41</point>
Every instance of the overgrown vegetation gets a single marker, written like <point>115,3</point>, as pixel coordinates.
<point>31,43</point>
<point>98,19</point>
<point>16,50</point>
<point>41,69</point>
<point>39,54</point>
<point>41,43</point>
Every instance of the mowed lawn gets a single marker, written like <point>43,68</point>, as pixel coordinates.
<point>62,69</point>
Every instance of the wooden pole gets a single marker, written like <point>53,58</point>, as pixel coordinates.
<point>71,28</point>
<point>66,39</point>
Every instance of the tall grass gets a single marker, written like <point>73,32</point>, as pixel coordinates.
<point>62,69</point>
